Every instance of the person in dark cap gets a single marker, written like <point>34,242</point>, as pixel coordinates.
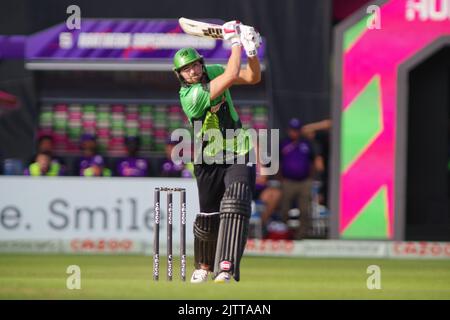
<point>299,163</point>
<point>295,124</point>
<point>132,165</point>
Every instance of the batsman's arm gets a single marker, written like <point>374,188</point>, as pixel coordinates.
<point>219,84</point>
<point>251,74</point>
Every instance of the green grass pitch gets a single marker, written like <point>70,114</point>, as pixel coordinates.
<point>130,277</point>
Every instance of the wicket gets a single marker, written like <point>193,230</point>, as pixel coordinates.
<point>157,218</point>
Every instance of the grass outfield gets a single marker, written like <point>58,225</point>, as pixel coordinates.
<point>130,277</point>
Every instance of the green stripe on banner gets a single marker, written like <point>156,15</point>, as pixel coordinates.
<point>371,222</point>
<point>354,33</point>
<point>361,123</point>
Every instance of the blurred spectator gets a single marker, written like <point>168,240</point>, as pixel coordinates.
<point>268,191</point>
<point>89,151</point>
<point>12,167</point>
<point>43,166</point>
<point>176,168</point>
<point>320,133</point>
<point>97,168</point>
<point>45,144</point>
<point>132,165</point>
<point>299,163</point>
<point>317,126</point>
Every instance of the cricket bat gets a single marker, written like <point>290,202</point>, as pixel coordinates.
<point>211,30</point>
<point>201,29</point>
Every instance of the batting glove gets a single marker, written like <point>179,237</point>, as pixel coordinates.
<point>251,40</point>
<point>231,32</point>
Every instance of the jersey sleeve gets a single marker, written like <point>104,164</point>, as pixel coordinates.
<point>196,100</point>
<point>215,70</point>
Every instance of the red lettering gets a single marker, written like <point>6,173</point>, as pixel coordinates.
<point>74,245</point>
<point>423,248</point>
<point>250,244</point>
<point>447,249</point>
<point>275,245</point>
<point>410,248</point>
<point>436,249</point>
<point>87,244</point>
<point>113,245</point>
<point>398,248</point>
<point>289,245</point>
<point>262,246</point>
<point>101,245</point>
<point>127,244</point>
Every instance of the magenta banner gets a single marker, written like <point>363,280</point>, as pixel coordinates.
<point>100,39</point>
<point>371,79</point>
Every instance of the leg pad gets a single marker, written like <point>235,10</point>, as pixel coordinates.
<point>235,210</point>
<point>206,228</point>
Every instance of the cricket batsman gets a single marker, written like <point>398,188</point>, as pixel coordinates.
<point>225,190</point>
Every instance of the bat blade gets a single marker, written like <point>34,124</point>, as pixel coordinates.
<point>201,29</point>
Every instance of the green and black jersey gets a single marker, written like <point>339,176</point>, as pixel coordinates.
<point>217,114</point>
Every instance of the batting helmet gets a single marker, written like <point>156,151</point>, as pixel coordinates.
<point>185,56</point>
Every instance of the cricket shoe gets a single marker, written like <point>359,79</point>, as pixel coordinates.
<point>199,276</point>
<point>223,277</point>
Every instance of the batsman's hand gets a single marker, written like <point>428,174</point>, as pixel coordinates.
<point>231,32</point>
<point>251,40</point>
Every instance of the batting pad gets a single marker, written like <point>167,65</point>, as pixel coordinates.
<point>235,210</point>
<point>206,229</point>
